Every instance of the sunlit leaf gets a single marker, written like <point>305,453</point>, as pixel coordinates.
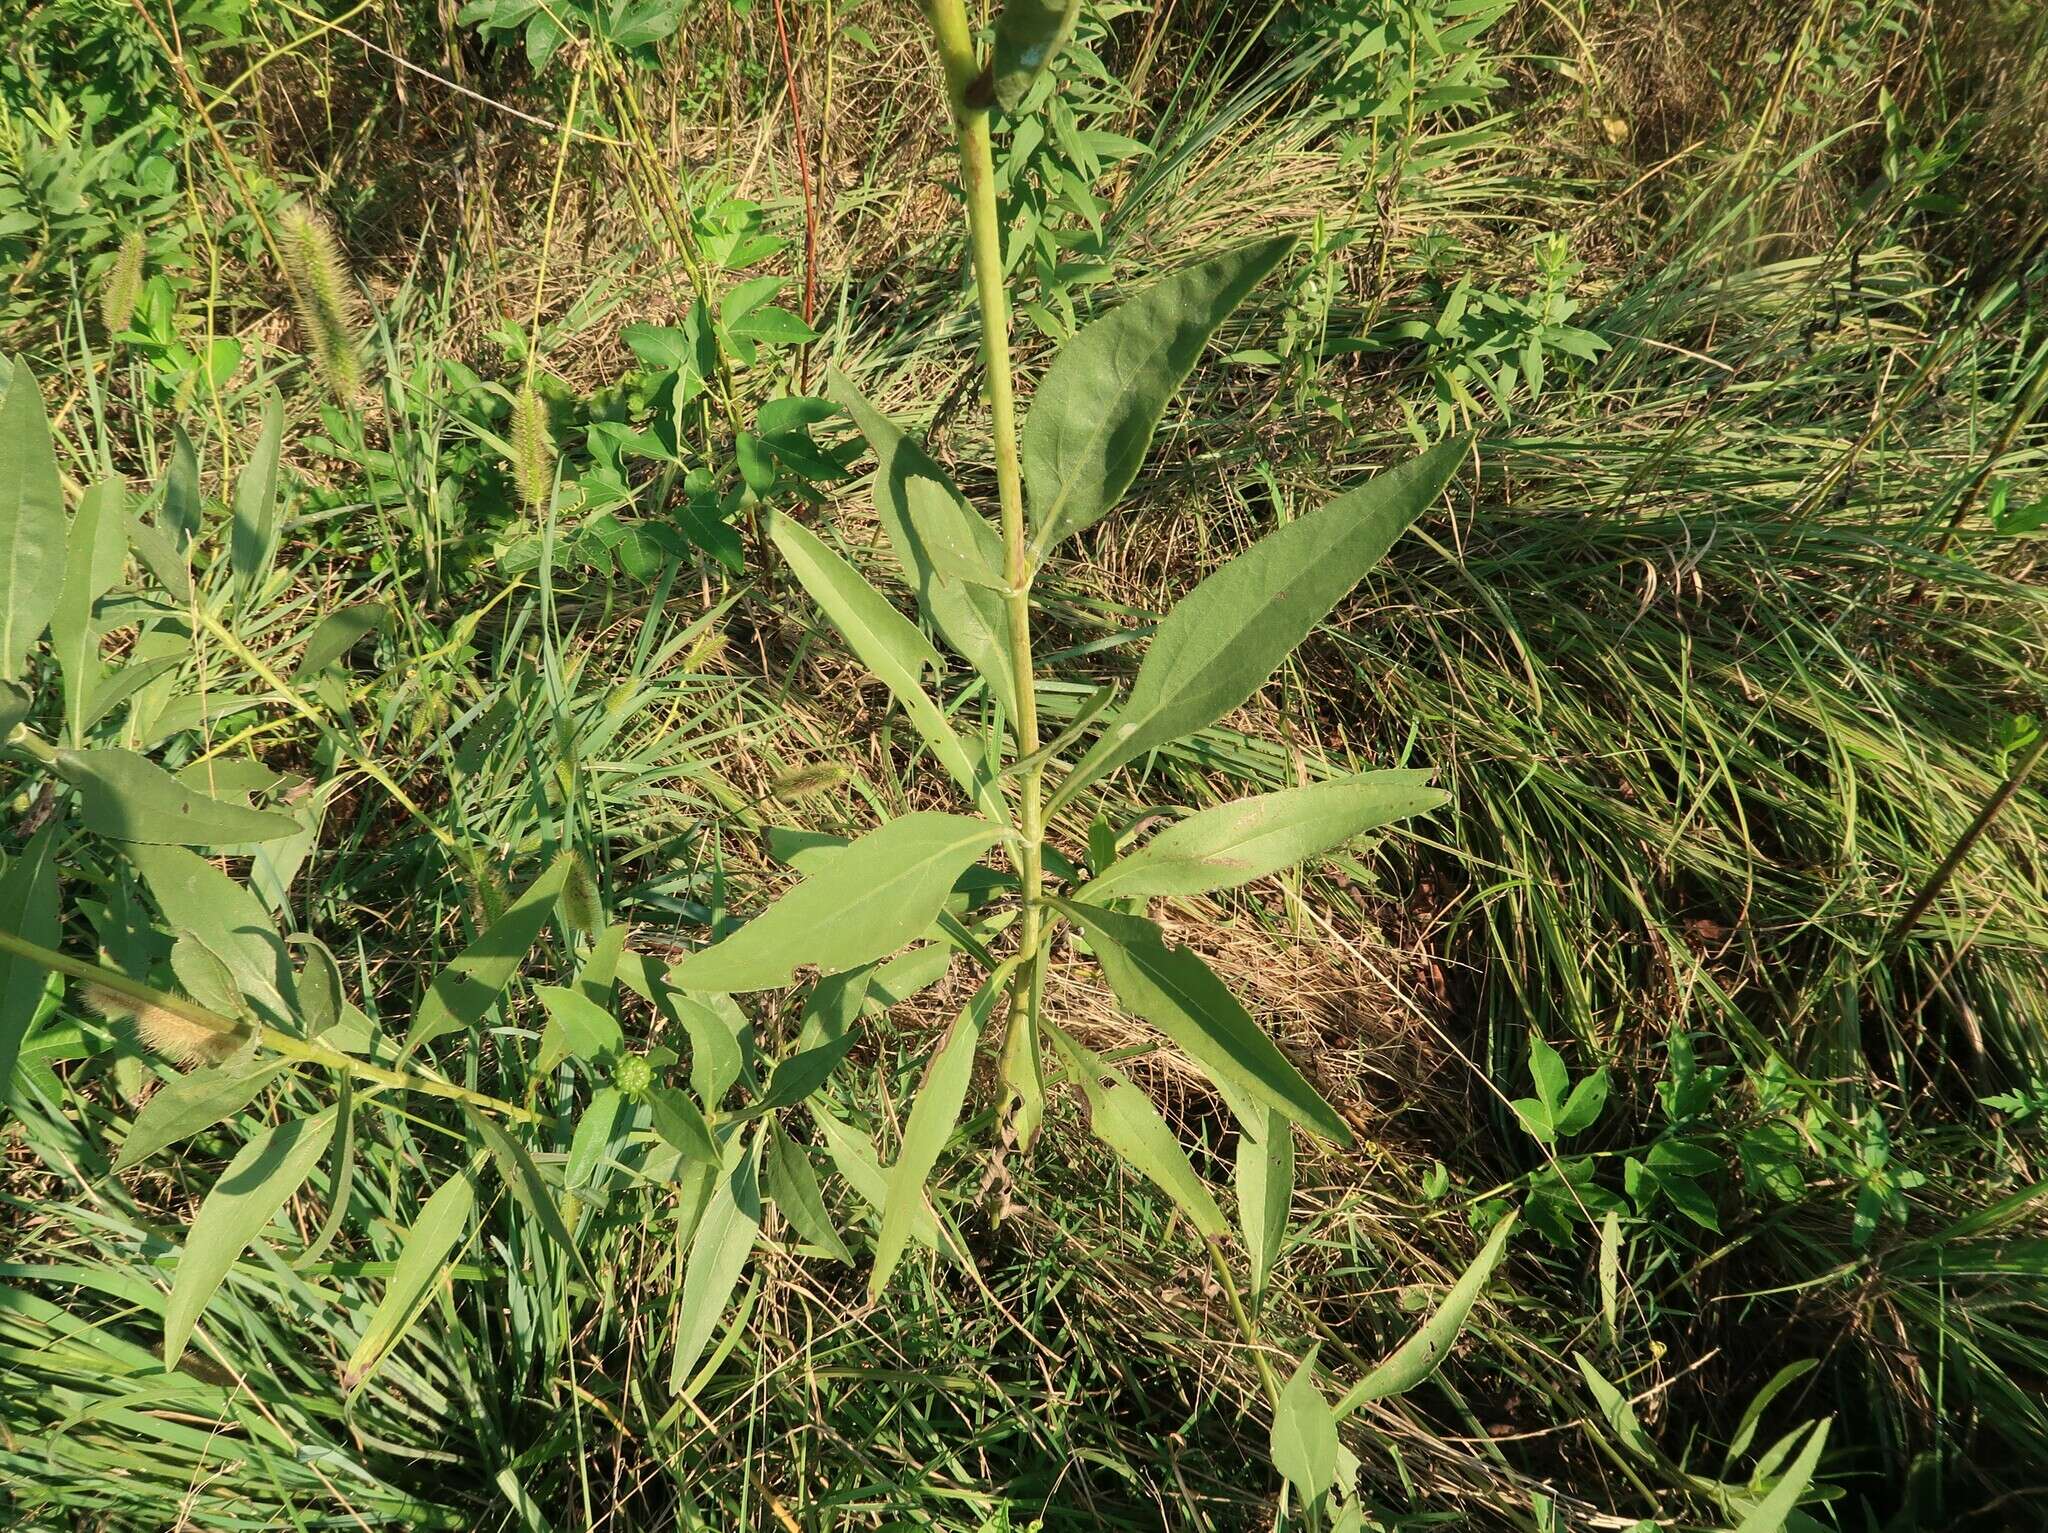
<point>718,1254</point>
<point>252,544</point>
<point>1304,1439</point>
<point>131,798</point>
<point>1029,36</point>
<point>473,981</point>
<point>98,547</point>
<point>31,521</point>
<point>1124,1118</point>
<point>423,1261</point>
<point>28,908</point>
<point>1419,1356</point>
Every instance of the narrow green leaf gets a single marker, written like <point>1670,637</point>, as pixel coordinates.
<point>830,1012</point>
<point>28,908</point>
<point>1178,994</point>
<point>1096,409</point>
<point>1029,36</point>
<point>16,702</point>
<point>1304,1438</point>
<point>252,545</point>
<point>718,1254</point>
<point>876,895</point>
<point>887,642</point>
<point>855,1159</point>
<point>335,634</point>
<point>131,798</point>
<point>1123,1117</point>
<point>1772,1513</point>
<point>1265,1193</point>
<point>423,1262</point>
<point>597,1132</point>
<point>1417,1357</point>
<point>254,528</point>
<point>925,1132</point>
<point>322,1000</point>
<point>31,521</point>
<point>527,1185</point>
<point>473,981</point>
<point>1233,843</point>
<point>182,515</point>
<point>793,1187</point>
<point>951,556</point>
<point>714,1046</point>
<point>98,547</point>
<point>257,1183</point>
<point>1232,631</point>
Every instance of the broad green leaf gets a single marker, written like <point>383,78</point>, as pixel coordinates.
<point>182,515</point>
<point>28,908</point>
<point>206,977</point>
<point>162,561</point>
<point>336,633</point>
<point>31,521</point>
<point>1232,631</point>
<point>925,1132</point>
<point>257,1183</point>
<point>577,1028</point>
<point>115,689</point>
<point>1771,1513</point>
<point>197,897</point>
<point>1029,36</point>
<point>1096,409</point>
<point>98,547</point>
<point>131,798</point>
<point>887,642</point>
<point>678,1120</point>
<point>527,1185</point>
<point>252,545</point>
<point>718,1254</point>
<point>422,1263</point>
<point>875,896</point>
<point>1123,1118</point>
<point>1178,994</point>
<point>855,1159</point>
<point>16,702</point>
<point>1547,1073</point>
<point>1304,1438</point>
<point>1229,845</point>
<point>950,556</point>
<point>1417,1357</point>
<point>793,1187</point>
<point>322,999</point>
<point>1582,1108</point>
<point>1265,1193</point>
<point>472,983</point>
<point>714,1046</point>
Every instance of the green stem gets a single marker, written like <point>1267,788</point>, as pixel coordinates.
<point>966,93</point>
<point>277,1042</point>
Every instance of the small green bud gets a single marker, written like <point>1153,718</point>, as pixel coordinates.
<point>634,1077</point>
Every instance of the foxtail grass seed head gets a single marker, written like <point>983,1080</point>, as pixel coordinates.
<point>183,1040</point>
<point>806,782</point>
<point>580,906</point>
<point>705,652</point>
<point>533,450</point>
<point>324,297</point>
<point>122,289</point>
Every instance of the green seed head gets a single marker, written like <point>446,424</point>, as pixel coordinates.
<point>806,782</point>
<point>324,297</point>
<point>635,1077</point>
<point>122,289</point>
<point>533,450</point>
<point>580,906</point>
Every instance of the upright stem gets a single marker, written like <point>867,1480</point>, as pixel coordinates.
<point>966,95</point>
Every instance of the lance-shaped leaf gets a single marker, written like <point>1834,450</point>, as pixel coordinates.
<point>793,1186</point>
<point>528,1187</point>
<point>1233,843</point>
<point>1096,409</point>
<point>473,981</point>
<point>31,521</point>
<point>577,1028</point>
<point>335,634</point>
<point>1304,1440</point>
<point>952,558</point>
<point>192,1104</point>
<point>1029,36</point>
<point>257,1183</point>
<point>423,1262</point>
<point>28,908</point>
<point>1771,1513</point>
<point>887,642</point>
<point>1265,1192</point>
<point>1181,996</point>
<point>718,1254</point>
<point>131,798</point>
<point>1232,631</point>
<point>197,898</point>
<point>1418,1357</point>
<point>876,895</point>
<point>1124,1118</point>
<point>92,563</point>
<point>182,513</point>
<point>252,544</point>
<point>855,1159</point>
<point>925,1133</point>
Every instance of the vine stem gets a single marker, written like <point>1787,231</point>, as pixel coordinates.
<point>271,1038</point>
<point>966,94</point>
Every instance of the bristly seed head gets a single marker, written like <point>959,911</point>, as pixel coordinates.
<point>324,297</point>
<point>533,450</point>
<point>581,908</point>
<point>804,782</point>
<point>122,289</point>
<point>183,1040</point>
